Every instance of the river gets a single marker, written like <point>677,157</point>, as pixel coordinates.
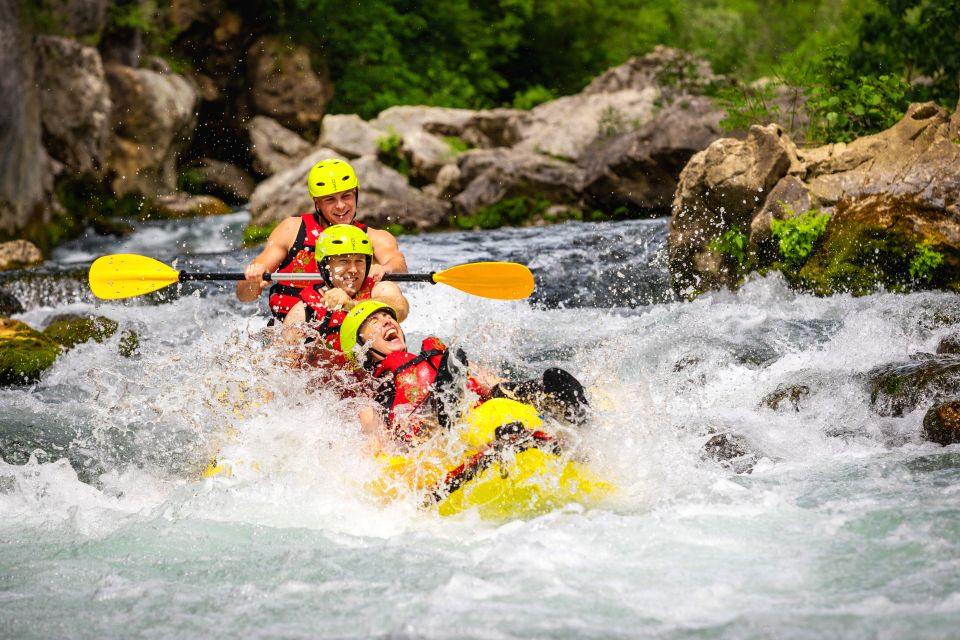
<point>836,523</point>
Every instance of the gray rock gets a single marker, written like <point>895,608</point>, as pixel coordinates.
<point>350,135</point>
<point>9,304</point>
<point>662,68</point>
<point>285,194</point>
<point>273,146</point>
<point>74,103</point>
<point>153,120</point>
<point>223,179</point>
<point>640,169</point>
<point>284,85</point>
<point>491,175</point>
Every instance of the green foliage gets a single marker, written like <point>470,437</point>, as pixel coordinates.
<point>510,211</point>
<point>390,152</point>
<point>733,244</point>
<point>400,230</point>
<point>457,145</point>
<point>191,180</point>
<point>747,105</point>
<point>798,234</point>
<point>532,96</point>
<point>924,262</point>
<point>913,39</point>
<point>843,108</point>
<point>255,235</point>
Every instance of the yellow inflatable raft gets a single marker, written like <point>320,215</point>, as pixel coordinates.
<point>500,462</point>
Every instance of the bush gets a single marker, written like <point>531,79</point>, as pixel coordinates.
<point>510,211</point>
<point>924,262</point>
<point>733,244</point>
<point>798,234</point>
<point>390,152</point>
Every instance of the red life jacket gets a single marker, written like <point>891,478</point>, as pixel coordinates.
<point>411,378</point>
<point>300,259</point>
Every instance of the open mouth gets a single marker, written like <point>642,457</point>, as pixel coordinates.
<point>391,334</point>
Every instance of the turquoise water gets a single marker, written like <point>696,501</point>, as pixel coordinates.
<point>848,525</point>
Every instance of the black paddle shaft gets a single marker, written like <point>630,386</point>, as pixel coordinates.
<point>392,277</point>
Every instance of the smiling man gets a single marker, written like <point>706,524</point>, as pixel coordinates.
<point>335,190</point>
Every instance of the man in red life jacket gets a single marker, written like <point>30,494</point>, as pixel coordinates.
<point>343,255</point>
<point>371,336</point>
<point>335,190</point>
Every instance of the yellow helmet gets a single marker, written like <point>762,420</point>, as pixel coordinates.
<point>350,328</point>
<point>331,176</point>
<point>342,240</point>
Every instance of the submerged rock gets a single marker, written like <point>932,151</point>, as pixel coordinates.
<point>899,388</point>
<point>70,329</point>
<point>9,304</point>
<point>787,396</point>
<point>24,353</point>
<point>731,451</point>
<point>942,423</point>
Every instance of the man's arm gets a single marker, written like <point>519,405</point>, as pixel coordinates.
<point>390,293</point>
<point>389,259</point>
<point>275,250</point>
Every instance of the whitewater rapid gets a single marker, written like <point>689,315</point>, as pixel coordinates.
<point>847,525</point>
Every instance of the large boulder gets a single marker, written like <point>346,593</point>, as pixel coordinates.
<point>421,131</point>
<point>385,196</point>
<point>273,146</point>
<point>900,387</point>
<point>639,169</point>
<point>565,127</point>
<point>350,135</point>
<point>284,85</point>
<point>893,200</point>
<point>79,18</point>
<point>664,68</point>
<point>19,253</point>
<point>70,329</point>
<point>941,424</point>
<point>492,175</point>
<point>153,120</point>
<point>24,353</point>
<point>26,171</point>
<point>182,205</point>
<point>721,188</point>
<point>74,103</point>
<point>222,179</point>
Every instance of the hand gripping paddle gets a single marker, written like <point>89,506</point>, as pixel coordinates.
<point>126,275</point>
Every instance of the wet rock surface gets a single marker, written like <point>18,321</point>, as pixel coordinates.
<point>24,353</point>
<point>941,424</point>
<point>19,253</point>
<point>899,388</point>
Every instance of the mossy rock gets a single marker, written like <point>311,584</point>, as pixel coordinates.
<point>899,388</point>
<point>70,329</point>
<point>732,451</point>
<point>786,395</point>
<point>942,423</point>
<point>9,304</point>
<point>24,353</point>
<point>870,243</point>
<point>129,343</point>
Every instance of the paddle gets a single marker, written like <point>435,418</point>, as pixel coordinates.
<point>126,275</point>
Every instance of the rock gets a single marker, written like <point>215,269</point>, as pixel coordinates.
<point>492,175</point>
<point>79,18</point>
<point>720,188</point>
<point>565,127</point>
<point>19,253</point>
<point>70,329</point>
<point>731,451</point>
<point>785,393</point>
<point>663,67</point>
<point>9,305</point>
<point>349,135</point>
<point>222,179</point>
<point>899,388</point>
<point>24,353</point>
<point>129,345</point>
<point>26,171</point>
<point>492,128</point>
<point>872,241</point>
<point>950,344</point>
<point>789,194</point>
<point>385,196</point>
<point>181,205</point>
<point>446,184</point>
<point>915,157</point>
<point>640,169</point>
<point>420,130</point>
<point>74,103</point>
<point>941,424</point>
<point>284,85</point>
<point>153,119</point>
<point>274,147</point>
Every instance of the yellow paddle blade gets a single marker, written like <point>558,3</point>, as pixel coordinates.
<point>497,280</point>
<point>126,275</point>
